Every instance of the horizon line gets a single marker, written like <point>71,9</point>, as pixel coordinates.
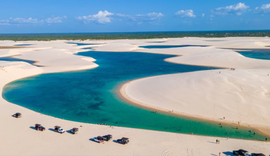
<point>137,32</point>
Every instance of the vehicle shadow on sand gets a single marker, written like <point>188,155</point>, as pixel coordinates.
<point>32,127</point>
<point>228,153</point>
<point>69,131</point>
<point>91,139</point>
<point>51,129</point>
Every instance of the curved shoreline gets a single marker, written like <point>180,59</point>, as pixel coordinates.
<point>126,97</point>
<point>263,130</point>
<point>20,139</point>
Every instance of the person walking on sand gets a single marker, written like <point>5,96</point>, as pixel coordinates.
<point>216,141</point>
<point>219,154</point>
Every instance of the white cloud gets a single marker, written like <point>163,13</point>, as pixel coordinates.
<point>4,22</point>
<point>185,13</point>
<point>154,15</point>
<point>101,17</point>
<point>203,15</point>
<point>30,20</point>
<point>55,19</point>
<point>148,17</point>
<point>139,18</point>
<point>263,9</point>
<point>236,9</point>
<point>211,17</point>
<point>25,20</point>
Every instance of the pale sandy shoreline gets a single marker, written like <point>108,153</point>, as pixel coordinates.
<point>57,56</point>
<point>265,130</point>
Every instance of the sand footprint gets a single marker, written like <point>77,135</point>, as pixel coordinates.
<point>46,137</point>
<point>168,152</point>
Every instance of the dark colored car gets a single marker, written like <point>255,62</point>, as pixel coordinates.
<point>107,137</point>
<point>240,152</point>
<point>38,127</point>
<point>98,139</point>
<point>123,141</point>
<point>74,130</point>
<point>17,115</point>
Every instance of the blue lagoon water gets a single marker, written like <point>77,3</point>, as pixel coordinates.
<point>17,59</point>
<point>170,46</point>
<point>82,44</point>
<point>91,96</point>
<point>263,54</point>
<point>22,45</point>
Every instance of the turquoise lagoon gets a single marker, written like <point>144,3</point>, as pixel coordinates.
<point>263,54</point>
<point>91,96</point>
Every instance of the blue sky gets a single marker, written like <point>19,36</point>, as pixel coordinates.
<point>71,16</point>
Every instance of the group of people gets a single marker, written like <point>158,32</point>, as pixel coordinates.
<point>2,68</point>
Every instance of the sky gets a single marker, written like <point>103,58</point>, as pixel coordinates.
<point>94,16</point>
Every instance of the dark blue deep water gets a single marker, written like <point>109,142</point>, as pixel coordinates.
<point>91,96</point>
<point>263,54</point>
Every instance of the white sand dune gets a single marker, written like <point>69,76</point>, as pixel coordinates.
<point>241,95</point>
<point>217,95</point>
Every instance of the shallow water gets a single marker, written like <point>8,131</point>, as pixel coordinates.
<point>81,44</point>
<point>263,54</point>
<point>22,44</point>
<point>17,59</point>
<point>170,46</point>
<point>91,96</point>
